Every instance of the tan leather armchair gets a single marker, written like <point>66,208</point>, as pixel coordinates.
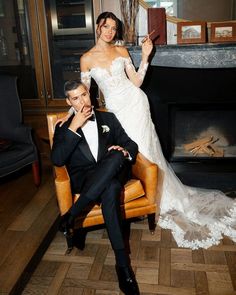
<point>138,198</point>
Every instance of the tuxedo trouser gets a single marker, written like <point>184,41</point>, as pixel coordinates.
<point>105,183</point>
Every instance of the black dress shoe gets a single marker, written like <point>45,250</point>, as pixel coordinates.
<point>67,227</point>
<point>127,281</point>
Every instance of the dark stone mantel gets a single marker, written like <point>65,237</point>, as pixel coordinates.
<point>190,56</point>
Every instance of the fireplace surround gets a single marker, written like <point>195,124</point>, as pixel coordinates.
<point>192,94</point>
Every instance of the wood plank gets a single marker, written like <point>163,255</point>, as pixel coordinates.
<point>68,258</point>
<point>78,270</point>
<point>181,256</point>
<point>8,243</point>
<point>165,267</point>
<point>220,283</point>
<point>70,291</point>
<point>225,248</point>
<point>182,278</point>
<point>32,210</point>
<point>14,265</point>
<point>231,261</point>
<point>15,198</point>
<point>201,283</point>
<point>165,290</point>
<point>134,243</point>
<point>147,275</point>
<point>91,284</point>
<point>199,267</point>
<point>214,257</point>
<point>148,252</point>
<point>58,279</point>
<point>99,260</point>
<point>108,273</point>
<point>165,259</point>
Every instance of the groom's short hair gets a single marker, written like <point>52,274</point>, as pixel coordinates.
<point>72,85</point>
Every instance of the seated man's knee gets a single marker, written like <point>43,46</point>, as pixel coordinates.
<point>112,191</point>
<point>114,186</point>
<point>117,156</point>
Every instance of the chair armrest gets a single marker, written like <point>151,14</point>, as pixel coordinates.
<point>147,172</point>
<point>63,188</point>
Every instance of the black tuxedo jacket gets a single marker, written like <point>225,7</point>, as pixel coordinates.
<point>73,151</point>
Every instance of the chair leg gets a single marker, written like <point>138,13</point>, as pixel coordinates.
<point>152,222</point>
<point>36,173</point>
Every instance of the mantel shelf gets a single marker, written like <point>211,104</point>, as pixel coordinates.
<point>190,56</point>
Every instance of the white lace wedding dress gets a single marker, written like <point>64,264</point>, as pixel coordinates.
<point>196,217</point>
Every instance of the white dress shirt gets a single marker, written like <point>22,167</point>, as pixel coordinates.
<point>90,131</point>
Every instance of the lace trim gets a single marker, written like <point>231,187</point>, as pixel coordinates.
<point>86,78</point>
<point>142,70</point>
<point>140,74</point>
<point>210,234</point>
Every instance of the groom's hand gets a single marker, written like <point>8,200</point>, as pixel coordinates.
<point>82,115</point>
<point>119,148</point>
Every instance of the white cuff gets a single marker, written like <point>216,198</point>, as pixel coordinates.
<point>75,132</point>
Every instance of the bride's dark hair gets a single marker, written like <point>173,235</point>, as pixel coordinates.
<point>101,20</point>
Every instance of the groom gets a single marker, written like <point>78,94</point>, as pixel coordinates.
<point>98,155</point>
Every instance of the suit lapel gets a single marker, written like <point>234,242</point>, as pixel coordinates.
<point>101,138</point>
<point>84,147</point>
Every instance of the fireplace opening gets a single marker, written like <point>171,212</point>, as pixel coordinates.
<point>189,104</point>
<point>202,132</point>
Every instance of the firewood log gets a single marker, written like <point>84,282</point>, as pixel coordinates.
<point>198,142</point>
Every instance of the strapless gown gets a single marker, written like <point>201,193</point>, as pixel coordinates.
<point>197,217</point>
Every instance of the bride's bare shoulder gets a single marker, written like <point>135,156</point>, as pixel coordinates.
<point>122,50</point>
<point>87,57</point>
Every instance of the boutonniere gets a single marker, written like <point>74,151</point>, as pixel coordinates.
<point>105,129</point>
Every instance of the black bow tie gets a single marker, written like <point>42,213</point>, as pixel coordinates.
<point>92,118</point>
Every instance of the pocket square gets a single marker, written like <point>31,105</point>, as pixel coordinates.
<point>105,129</point>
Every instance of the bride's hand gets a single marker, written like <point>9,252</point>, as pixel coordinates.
<point>63,120</point>
<point>147,46</point>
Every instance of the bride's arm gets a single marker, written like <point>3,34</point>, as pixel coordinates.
<point>85,72</point>
<point>137,77</point>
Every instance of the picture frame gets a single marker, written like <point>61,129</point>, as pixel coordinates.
<point>223,32</point>
<point>193,32</point>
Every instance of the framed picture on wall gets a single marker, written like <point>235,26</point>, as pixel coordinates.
<point>191,32</point>
<point>223,32</point>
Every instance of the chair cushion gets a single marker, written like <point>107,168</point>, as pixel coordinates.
<point>16,156</point>
<point>133,189</point>
<point>4,144</point>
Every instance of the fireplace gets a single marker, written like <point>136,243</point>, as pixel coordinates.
<point>192,95</point>
<point>202,132</point>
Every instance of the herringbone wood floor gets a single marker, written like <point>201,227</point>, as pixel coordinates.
<point>160,266</point>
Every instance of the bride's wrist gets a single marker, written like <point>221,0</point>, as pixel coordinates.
<point>145,59</point>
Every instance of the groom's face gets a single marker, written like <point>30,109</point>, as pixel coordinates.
<point>79,97</point>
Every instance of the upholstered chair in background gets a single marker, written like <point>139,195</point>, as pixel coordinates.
<point>17,148</point>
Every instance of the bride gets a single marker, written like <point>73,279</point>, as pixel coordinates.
<point>197,217</point>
